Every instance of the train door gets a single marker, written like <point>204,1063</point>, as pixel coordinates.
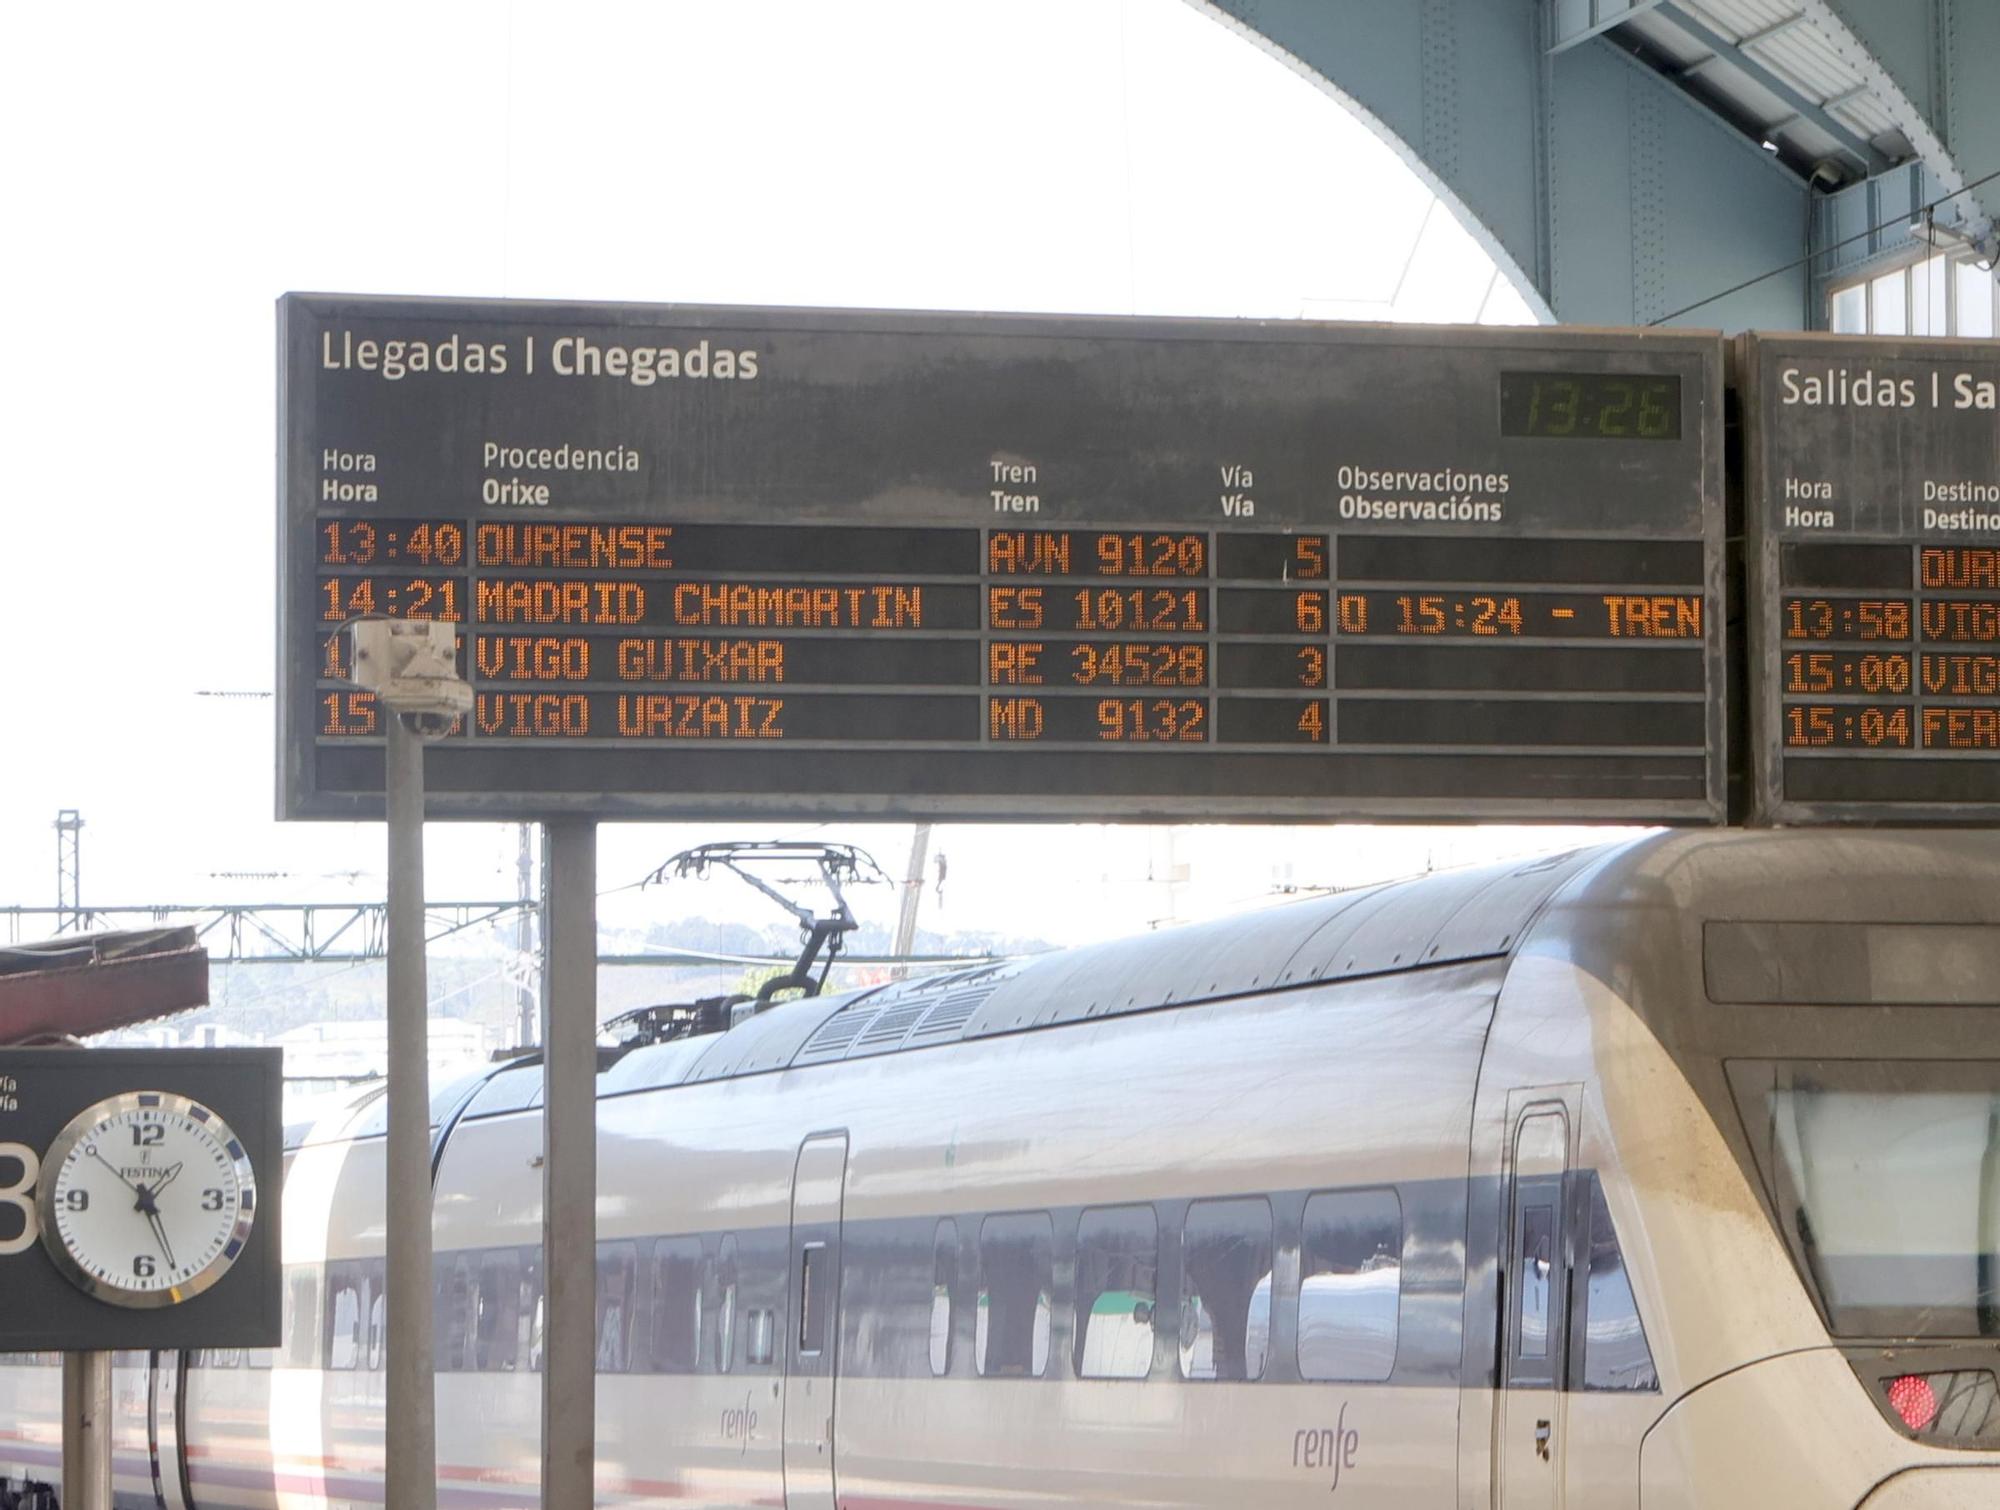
<point>811,1351</point>
<point>1535,1285</point>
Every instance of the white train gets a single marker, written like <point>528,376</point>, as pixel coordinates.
<point>1661,1175</point>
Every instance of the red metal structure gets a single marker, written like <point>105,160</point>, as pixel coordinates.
<point>84,984</point>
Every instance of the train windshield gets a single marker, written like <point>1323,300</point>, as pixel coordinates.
<point>1886,1175</point>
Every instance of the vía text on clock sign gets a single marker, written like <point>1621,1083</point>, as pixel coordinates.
<point>1840,388</point>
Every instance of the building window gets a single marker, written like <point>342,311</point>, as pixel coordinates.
<point>1016,1275</point>
<point>1889,304</point>
<point>1117,1284</point>
<point>1847,310</point>
<point>1351,1285</point>
<point>1945,294</point>
<point>1226,1289</point>
<point>1972,300</point>
<point>1929,314</point>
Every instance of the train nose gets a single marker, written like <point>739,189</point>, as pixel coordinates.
<point>1803,1429</point>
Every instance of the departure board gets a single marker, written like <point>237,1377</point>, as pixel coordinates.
<point>766,562</point>
<point>1873,514</point>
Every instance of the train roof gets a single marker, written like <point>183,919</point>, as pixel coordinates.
<point>1716,912</point>
<point>1439,919</point>
<point>1581,902</point>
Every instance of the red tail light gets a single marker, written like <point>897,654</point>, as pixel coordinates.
<point>1915,1401</point>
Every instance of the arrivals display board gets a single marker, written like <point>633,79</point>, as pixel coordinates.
<point>770,562</point>
<point>1872,509</point>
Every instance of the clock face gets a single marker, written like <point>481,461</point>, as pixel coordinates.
<point>146,1199</point>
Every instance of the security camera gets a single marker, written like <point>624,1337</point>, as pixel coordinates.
<point>410,664</point>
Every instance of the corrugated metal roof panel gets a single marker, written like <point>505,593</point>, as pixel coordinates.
<point>907,1014</point>
<point>1776,35</point>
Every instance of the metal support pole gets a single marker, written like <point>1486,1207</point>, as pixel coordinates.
<point>412,1400</point>
<point>524,937</point>
<point>569,1165</point>
<point>86,1445</point>
<point>913,893</point>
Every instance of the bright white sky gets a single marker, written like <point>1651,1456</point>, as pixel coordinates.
<point>173,169</point>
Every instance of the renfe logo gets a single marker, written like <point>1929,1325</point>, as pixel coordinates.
<point>1317,1447</point>
<point>739,1425</point>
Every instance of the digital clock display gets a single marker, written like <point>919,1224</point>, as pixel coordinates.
<point>998,567</point>
<point>1591,405</point>
<point>1874,578</point>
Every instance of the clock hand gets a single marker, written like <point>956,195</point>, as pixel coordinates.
<point>160,1232</point>
<point>113,1168</point>
<point>167,1178</point>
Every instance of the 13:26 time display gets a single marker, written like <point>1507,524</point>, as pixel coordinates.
<point>1590,405</point>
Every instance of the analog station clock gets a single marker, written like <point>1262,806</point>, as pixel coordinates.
<point>146,1199</point>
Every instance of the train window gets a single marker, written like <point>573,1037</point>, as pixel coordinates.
<point>1226,1289</point>
<point>760,1332</point>
<point>1117,1285</point>
<point>812,1298</point>
<point>378,1310</point>
<point>495,1325</point>
<point>1537,1269</point>
<point>617,1306</point>
<point>1615,1354</point>
<point>1887,1180</point>
<point>725,1311</point>
<point>676,1305</point>
<point>1536,1272</point>
<point>343,1317</point>
<point>451,1313</point>
<point>1016,1277</point>
<point>528,1312</point>
<point>1351,1285</point>
<point>944,1275</point>
<point>302,1318</point>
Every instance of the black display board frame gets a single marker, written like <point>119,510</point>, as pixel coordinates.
<point>905,422</point>
<point>1857,677</point>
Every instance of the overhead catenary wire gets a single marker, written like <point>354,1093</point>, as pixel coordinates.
<point>1922,212</point>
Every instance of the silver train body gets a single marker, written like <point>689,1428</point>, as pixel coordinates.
<point>1663,1175</point>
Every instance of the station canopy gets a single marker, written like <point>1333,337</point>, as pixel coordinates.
<point>82,984</point>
